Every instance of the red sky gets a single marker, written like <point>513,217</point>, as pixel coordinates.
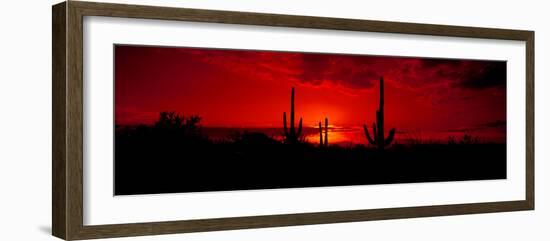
<point>245,88</point>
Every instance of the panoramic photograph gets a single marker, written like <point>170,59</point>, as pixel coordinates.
<point>192,119</point>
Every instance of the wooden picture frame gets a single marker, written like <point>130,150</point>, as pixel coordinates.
<point>67,152</point>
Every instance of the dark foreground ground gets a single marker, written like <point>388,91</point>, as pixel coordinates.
<point>148,161</point>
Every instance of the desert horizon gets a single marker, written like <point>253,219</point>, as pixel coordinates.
<point>352,135</point>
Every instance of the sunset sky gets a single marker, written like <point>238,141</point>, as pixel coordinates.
<point>246,88</point>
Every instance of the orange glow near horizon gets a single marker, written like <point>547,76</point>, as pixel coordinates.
<point>251,89</point>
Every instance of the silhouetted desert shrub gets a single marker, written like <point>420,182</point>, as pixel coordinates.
<point>253,139</point>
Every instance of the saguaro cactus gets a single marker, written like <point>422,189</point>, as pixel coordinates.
<point>378,139</point>
<point>292,135</point>
<point>325,142</point>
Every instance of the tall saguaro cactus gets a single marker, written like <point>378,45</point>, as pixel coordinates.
<point>378,139</point>
<point>292,135</point>
<point>325,142</point>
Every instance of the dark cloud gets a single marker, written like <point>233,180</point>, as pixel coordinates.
<point>468,74</point>
<point>356,71</point>
<point>348,71</point>
<point>490,75</point>
<point>359,71</point>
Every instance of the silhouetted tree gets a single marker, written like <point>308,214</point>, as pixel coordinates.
<point>176,124</point>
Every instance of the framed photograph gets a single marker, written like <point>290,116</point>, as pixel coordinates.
<point>171,120</point>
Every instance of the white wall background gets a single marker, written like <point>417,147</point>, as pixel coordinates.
<point>25,122</point>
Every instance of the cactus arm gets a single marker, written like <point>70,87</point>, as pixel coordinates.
<point>391,135</point>
<point>375,134</point>
<point>371,141</point>
<point>292,112</point>
<point>326,131</point>
<point>299,132</point>
<point>320,134</point>
<point>284,124</point>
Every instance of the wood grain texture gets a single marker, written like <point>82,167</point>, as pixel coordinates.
<point>280,20</point>
<point>58,121</point>
<point>530,120</point>
<point>138,229</point>
<point>74,121</point>
<point>67,78</point>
